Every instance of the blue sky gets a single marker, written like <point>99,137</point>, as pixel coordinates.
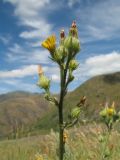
<point>24,24</point>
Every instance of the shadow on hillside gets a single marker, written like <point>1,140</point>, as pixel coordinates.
<point>112,78</point>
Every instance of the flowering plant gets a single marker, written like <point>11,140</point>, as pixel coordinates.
<point>109,116</point>
<point>64,55</point>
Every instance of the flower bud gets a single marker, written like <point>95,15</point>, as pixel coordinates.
<point>73,30</point>
<point>75,112</point>
<point>44,82</point>
<point>73,64</point>
<point>60,53</point>
<point>72,44</point>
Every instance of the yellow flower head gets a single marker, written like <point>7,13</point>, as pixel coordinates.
<point>110,111</point>
<point>50,43</point>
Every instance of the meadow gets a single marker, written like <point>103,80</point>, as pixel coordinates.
<point>83,143</point>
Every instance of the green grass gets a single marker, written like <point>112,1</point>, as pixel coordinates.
<point>82,144</point>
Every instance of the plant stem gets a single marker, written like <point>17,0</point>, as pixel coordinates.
<point>63,76</point>
<point>61,129</point>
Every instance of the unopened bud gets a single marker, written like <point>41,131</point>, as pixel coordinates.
<point>44,82</point>
<point>72,44</point>
<point>73,30</point>
<point>73,64</point>
<point>60,53</point>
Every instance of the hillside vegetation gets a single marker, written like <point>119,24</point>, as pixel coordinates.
<point>83,143</point>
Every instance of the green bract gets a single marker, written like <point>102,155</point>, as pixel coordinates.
<point>73,64</point>
<point>68,42</point>
<point>75,44</point>
<point>44,82</point>
<point>103,113</point>
<point>75,112</point>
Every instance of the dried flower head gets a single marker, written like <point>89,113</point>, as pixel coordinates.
<point>74,24</point>
<point>65,136</point>
<point>40,70</point>
<point>62,34</point>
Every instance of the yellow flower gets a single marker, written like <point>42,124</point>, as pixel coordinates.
<point>110,111</point>
<point>50,43</point>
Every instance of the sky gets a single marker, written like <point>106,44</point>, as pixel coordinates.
<point>24,24</point>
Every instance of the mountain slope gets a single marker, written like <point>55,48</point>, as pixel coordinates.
<point>21,110</point>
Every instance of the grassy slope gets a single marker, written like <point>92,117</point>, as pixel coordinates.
<point>82,144</point>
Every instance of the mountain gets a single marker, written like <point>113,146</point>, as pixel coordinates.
<point>21,111</point>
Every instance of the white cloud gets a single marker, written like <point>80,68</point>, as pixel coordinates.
<point>101,64</point>
<point>19,73</point>
<point>31,70</point>
<point>14,79</point>
<point>100,20</point>
<point>31,13</point>
<point>18,54</point>
<point>95,65</point>
<point>17,84</point>
<point>27,8</point>
<point>55,77</point>
<point>37,33</point>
